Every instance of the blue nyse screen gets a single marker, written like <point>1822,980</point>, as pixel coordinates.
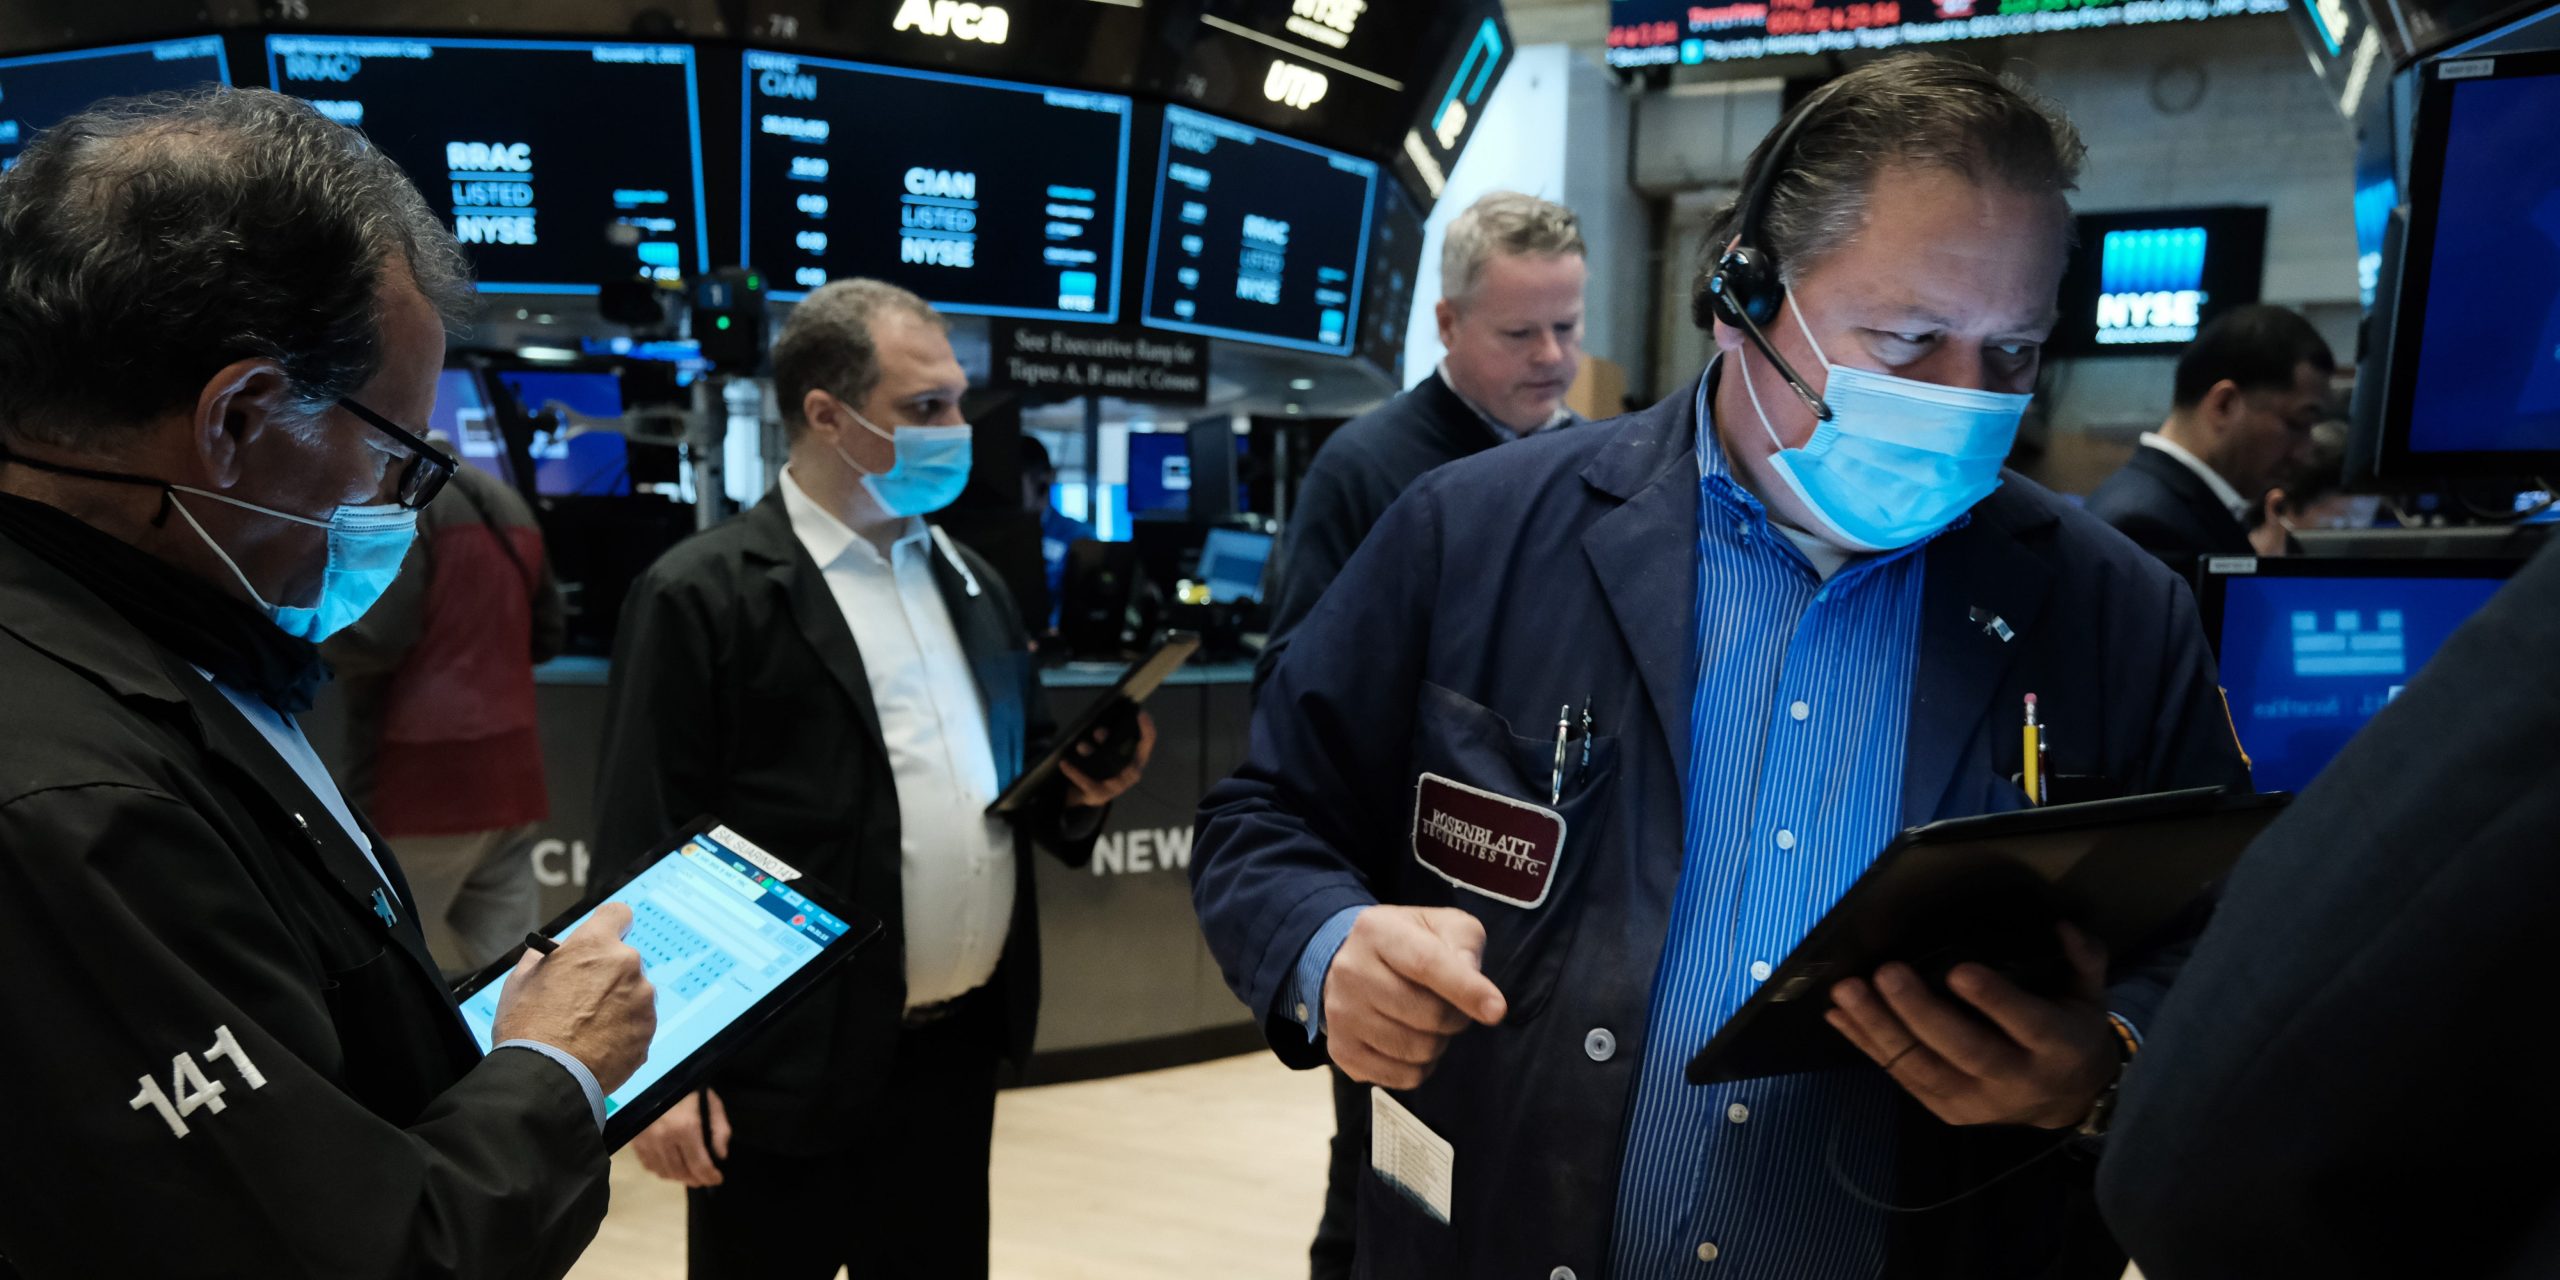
<point>2146,282</point>
<point>2488,370</point>
<point>2309,660</point>
<point>38,91</point>
<point>1257,237</point>
<point>1001,199</point>
<point>559,165</point>
<point>2150,285</point>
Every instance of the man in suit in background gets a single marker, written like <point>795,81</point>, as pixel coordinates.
<point>2249,391</point>
<point>850,688</point>
<point>1510,313</point>
<point>2363,1032</point>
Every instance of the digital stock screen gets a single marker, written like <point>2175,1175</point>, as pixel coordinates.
<point>38,91</point>
<point>1654,33</point>
<point>2147,283</point>
<point>559,165</point>
<point>1257,237</point>
<point>1001,198</point>
<point>2310,660</point>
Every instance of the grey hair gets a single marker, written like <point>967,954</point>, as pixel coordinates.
<point>826,345</point>
<point>1920,109</point>
<point>147,243</point>
<point>1503,222</point>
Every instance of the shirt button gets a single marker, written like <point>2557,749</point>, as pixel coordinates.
<point>1599,1045</point>
<point>1707,1251</point>
<point>1736,1113</point>
<point>1302,1012</point>
<point>1759,971</point>
<point>1561,1273</point>
<point>1799,711</point>
<point>1786,839</point>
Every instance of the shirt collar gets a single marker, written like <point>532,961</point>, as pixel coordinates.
<point>1501,432</point>
<point>2222,491</point>
<point>828,538</point>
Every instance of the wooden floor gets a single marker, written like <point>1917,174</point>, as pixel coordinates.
<point>1213,1170</point>
<point>1216,1169</point>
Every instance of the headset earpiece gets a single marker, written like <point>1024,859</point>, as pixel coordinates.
<point>1742,286</point>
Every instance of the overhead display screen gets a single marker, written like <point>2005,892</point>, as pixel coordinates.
<point>1349,73</point>
<point>2146,283</point>
<point>1656,33</point>
<point>559,165</point>
<point>1257,237</point>
<point>38,91</point>
<point>1001,199</point>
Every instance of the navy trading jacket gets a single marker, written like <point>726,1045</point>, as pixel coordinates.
<point>1563,569</point>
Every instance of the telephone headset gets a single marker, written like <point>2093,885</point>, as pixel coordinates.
<point>1745,290</point>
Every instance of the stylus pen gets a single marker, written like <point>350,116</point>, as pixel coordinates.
<point>541,942</point>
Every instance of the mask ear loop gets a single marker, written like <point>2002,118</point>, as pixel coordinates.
<point>169,499</point>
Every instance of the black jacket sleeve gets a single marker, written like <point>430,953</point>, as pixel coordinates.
<point>172,1081</point>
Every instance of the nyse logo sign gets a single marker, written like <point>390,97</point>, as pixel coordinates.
<point>2151,286</point>
<point>984,23</point>
<point>1294,85</point>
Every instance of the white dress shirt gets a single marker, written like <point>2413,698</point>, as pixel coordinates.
<point>2222,491</point>
<point>955,863</point>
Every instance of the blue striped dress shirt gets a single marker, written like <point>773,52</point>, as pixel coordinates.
<point>1796,741</point>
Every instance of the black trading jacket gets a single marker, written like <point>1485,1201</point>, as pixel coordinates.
<point>168,886</point>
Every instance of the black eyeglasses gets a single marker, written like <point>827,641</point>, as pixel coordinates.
<point>428,468</point>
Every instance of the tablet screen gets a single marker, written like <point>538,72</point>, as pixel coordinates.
<point>718,929</point>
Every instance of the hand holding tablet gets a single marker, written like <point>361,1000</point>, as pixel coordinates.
<point>710,938</point>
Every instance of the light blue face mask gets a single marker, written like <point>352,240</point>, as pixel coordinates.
<point>366,547</point>
<point>1899,459</point>
<point>932,468</point>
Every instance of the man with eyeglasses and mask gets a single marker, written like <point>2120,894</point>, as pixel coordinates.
<point>841,680</point>
<point>1593,728</point>
<point>229,1048</point>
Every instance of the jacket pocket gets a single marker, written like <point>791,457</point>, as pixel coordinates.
<point>1474,747</point>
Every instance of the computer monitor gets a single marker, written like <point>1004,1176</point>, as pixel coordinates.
<point>575,458</point>
<point>462,415</point>
<point>1257,237</point>
<point>2312,649</point>
<point>1159,472</point>
<point>37,91</point>
<point>1231,562</point>
<point>559,164</point>
<point>1010,203</point>
<point>2474,383</point>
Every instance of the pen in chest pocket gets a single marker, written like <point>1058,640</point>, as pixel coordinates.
<point>1564,735</point>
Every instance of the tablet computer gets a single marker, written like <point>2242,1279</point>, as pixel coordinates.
<point>729,935</point>
<point>1992,890</point>
<point>1118,708</point>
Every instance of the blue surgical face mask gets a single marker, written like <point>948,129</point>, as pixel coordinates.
<point>366,547</point>
<point>932,468</point>
<point>1898,460</point>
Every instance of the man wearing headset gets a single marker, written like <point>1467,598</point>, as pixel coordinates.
<point>1790,610</point>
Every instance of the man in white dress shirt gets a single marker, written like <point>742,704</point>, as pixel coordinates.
<point>843,683</point>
